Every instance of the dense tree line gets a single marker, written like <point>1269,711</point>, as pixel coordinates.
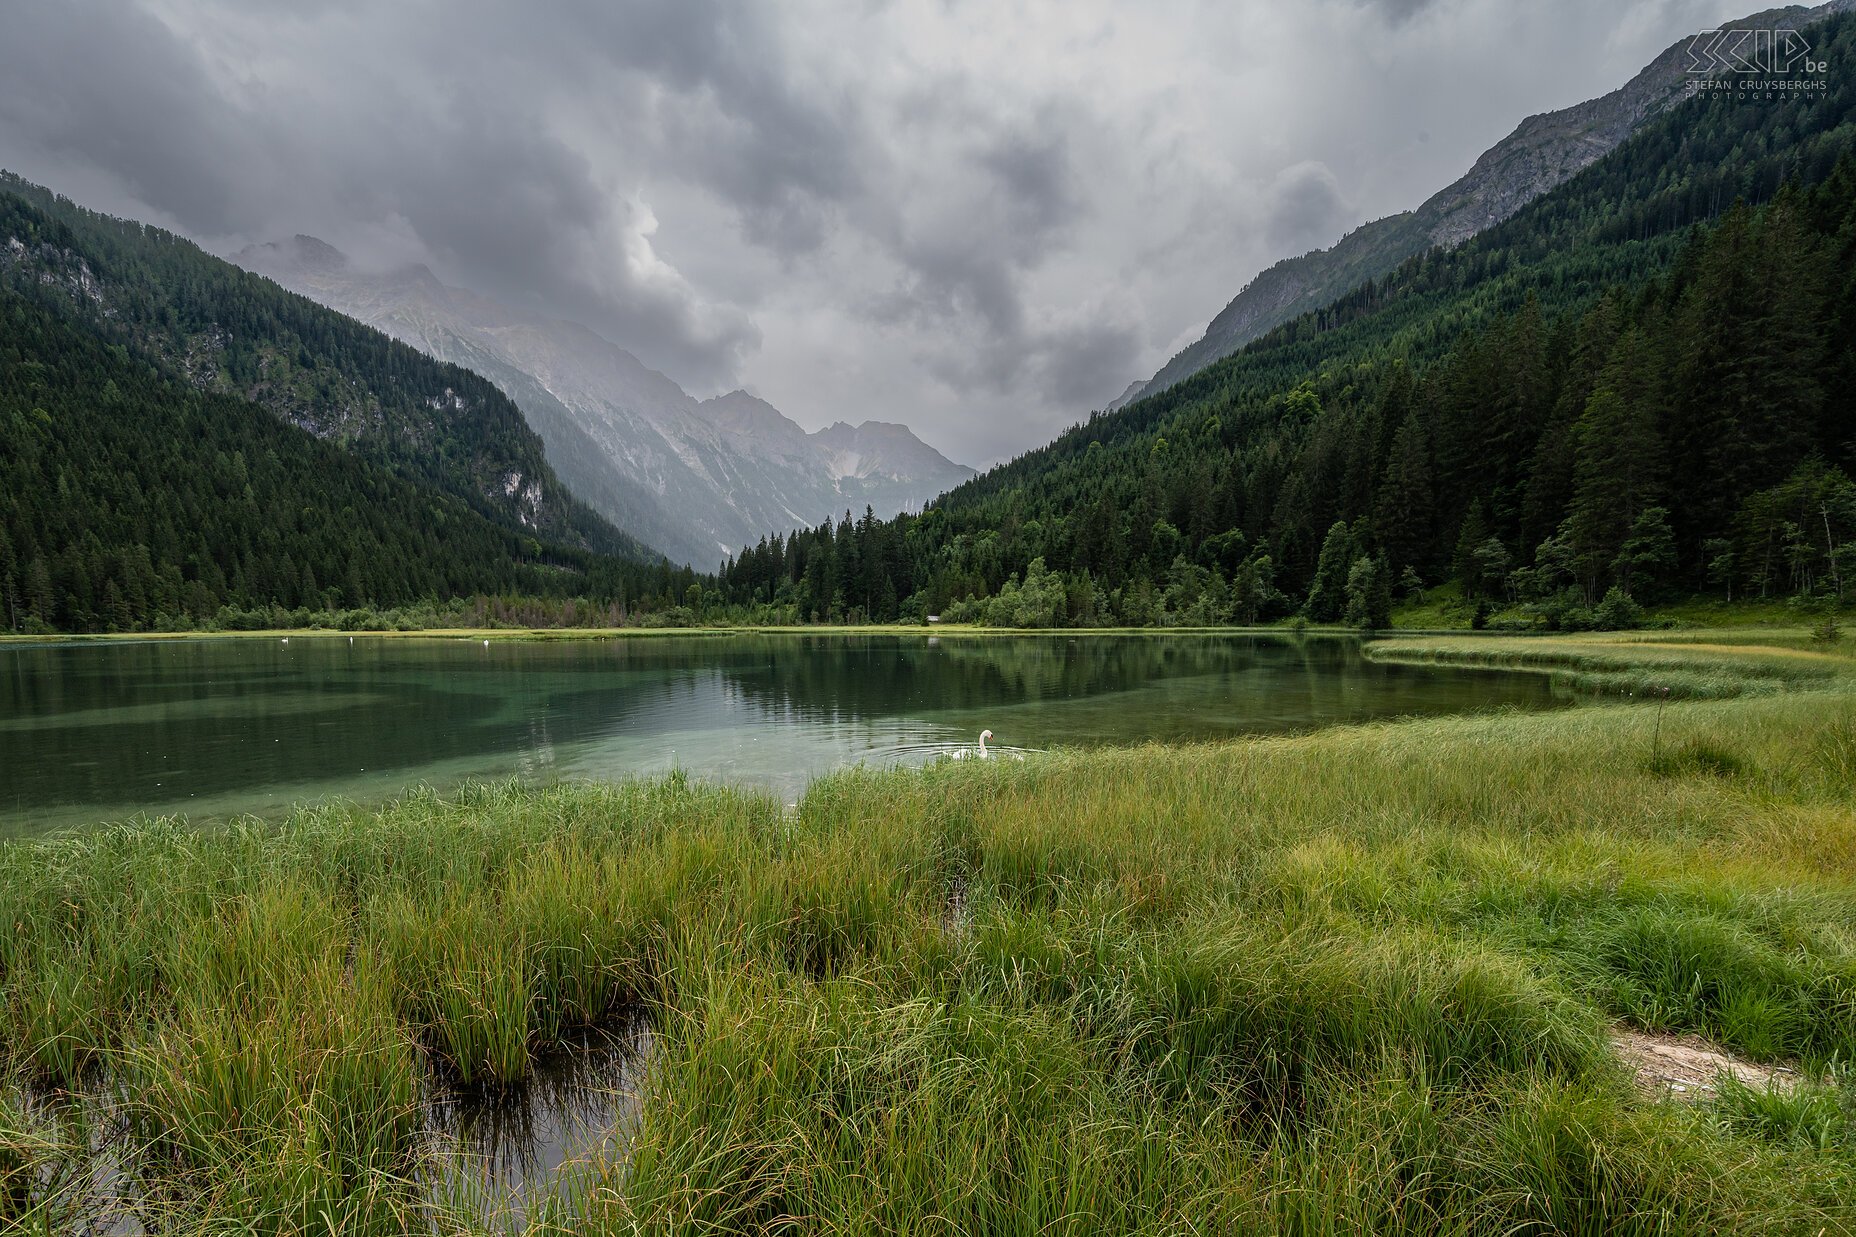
<point>129,500</point>
<point>1638,386</point>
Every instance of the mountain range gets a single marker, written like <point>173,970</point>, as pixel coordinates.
<point>1543,152</point>
<point>186,442</point>
<point>697,479</point>
<point>222,331</point>
<point>1637,387</point>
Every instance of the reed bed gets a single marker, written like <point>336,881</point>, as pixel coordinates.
<point>1362,980</point>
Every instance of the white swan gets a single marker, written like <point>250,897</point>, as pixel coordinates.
<point>976,754</point>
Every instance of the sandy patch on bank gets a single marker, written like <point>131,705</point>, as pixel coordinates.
<point>1687,1067</point>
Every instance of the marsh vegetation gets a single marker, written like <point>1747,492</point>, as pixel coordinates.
<point>1361,980</point>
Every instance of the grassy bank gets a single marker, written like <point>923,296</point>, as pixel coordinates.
<point>1358,981</point>
<point>1445,613</point>
<point>1444,608</point>
<point>1702,664</point>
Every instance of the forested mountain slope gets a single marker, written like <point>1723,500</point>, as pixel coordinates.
<point>182,442</point>
<point>1633,383</point>
<point>218,329</point>
<point>1542,153</point>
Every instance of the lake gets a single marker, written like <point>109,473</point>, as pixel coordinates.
<point>93,731</point>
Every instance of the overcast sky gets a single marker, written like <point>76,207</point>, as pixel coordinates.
<point>983,219</point>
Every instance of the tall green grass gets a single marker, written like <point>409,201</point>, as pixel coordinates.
<point>1357,981</point>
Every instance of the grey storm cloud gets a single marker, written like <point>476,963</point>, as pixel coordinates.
<point>438,139</point>
<point>1399,10</point>
<point>981,219</point>
<point>1307,208</point>
<point>114,86</point>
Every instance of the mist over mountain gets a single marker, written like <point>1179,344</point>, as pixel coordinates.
<point>1543,152</point>
<point>698,479</point>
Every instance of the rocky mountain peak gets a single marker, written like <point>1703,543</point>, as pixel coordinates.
<point>300,253</point>
<point>696,478</point>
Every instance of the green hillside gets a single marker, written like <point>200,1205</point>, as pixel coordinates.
<point>179,437</point>
<point>219,329</point>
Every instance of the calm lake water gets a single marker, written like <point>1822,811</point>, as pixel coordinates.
<point>99,731</point>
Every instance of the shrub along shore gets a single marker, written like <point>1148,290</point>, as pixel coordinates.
<point>1362,980</point>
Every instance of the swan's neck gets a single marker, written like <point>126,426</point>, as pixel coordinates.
<point>982,744</point>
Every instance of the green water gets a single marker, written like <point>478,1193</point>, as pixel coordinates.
<point>98,731</point>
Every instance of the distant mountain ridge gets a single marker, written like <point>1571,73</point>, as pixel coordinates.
<point>696,478</point>
<point>1543,152</point>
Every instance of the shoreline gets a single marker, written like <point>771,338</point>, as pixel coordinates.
<point>1791,630</point>
<point>620,633</point>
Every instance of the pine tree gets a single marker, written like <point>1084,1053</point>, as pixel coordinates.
<point>1550,473</point>
<point>1647,558</point>
<point>1515,411</point>
<point>115,607</point>
<point>39,602</point>
<point>1470,537</point>
<point>1403,513</point>
<point>1327,597</point>
<point>1617,474</point>
<point>9,582</point>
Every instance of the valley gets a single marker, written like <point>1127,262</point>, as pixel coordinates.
<point>696,479</point>
<point>471,765</point>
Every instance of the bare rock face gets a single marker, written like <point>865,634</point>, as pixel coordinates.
<point>698,479</point>
<point>1541,154</point>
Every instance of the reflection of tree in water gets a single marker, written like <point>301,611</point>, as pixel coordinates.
<point>1255,682</point>
<point>832,677</point>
